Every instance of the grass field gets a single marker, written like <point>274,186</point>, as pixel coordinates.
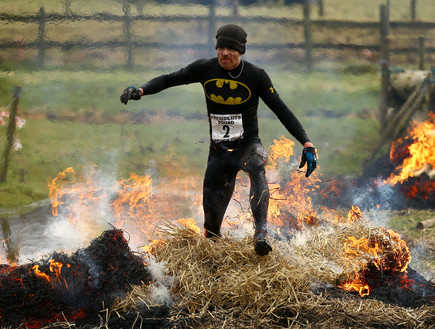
<point>75,117</point>
<point>73,114</point>
<point>72,111</point>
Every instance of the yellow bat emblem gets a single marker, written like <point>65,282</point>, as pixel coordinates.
<point>228,92</point>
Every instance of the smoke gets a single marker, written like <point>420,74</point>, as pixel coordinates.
<point>301,238</point>
<point>3,259</point>
<point>85,212</point>
<point>376,201</point>
<point>160,287</point>
<point>422,259</point>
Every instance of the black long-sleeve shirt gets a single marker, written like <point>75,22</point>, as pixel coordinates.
<point>232,99</point>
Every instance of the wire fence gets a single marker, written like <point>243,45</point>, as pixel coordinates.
<point>313,36</point>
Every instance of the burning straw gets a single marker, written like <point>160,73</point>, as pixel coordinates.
<point>69,287</point>
<point>224,284</point>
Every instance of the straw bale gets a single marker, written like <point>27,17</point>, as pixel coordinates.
<point>227,273</point>
<point>323,250</point>
<point>222,283</point>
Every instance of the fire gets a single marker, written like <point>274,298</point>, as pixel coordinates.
<point>89,202</point>
<point>291,207</point>
<point>384,250</point>
<point>41,274</point>
<point>190,224</point>
<point>149,248</point>
<point>56,189</point>
<point>290,200</point>
<point>134,202</point>
<point>361,247</point>
<point>281,148</point>
<point>332,191</point>
<point>83,188</point>
<point>354,214</point>
<point>138,205</point>
<point>55,268</point>
<point>291,204</point>
<point>358,284</point>
<point>401,256</point>
<point>418,156</point>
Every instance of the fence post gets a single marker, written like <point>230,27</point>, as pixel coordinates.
<point>321,8</point>
<point>235,5</point>
<point>5,230</point>
<point>421,50</point>
<point>413,9</point>
<point>41,36</point>
<point>307,36</point>
<point>211,28</point>
<point>67,5</point>
<point>127,31</point>
<point>384,26</point>
<point>10,132</point>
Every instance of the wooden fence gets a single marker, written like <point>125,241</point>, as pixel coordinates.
<point>310,28</point>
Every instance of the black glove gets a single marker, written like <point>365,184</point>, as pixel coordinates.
<point>130,93</point>
<point>309,157</point>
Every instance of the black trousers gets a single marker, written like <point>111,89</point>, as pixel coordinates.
<point>223,165</point>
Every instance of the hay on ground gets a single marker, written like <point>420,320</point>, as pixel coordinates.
<point>224,284</point>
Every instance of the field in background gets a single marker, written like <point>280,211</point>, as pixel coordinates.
<point>333,9</point>
<point>92,35</point>
<point>74,115</point>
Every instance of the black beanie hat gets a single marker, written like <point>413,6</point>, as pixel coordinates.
<point>231,36</point>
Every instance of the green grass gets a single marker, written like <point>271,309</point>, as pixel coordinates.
<point>406,222</point>
<point>421,242</point>
<point>85,90</point>
<point>89,124</point>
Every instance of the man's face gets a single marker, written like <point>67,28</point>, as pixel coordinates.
<point>228,58</point>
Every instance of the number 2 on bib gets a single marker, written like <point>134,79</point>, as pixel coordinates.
<point>226,127</point>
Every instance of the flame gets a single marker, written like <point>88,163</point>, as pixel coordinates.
<point>134,200</point>
<point>290,203</point>
<point>84,188</point>
<point>281,148</point>
<point>358,284</point>
<point>41,274</point>
<point>362,247</point>
<point>54,267</point>
<point>419,156</point>
<point>332,190</point>
<point>190,224</point>
<point>384,250</point>
<point>138,205</point>
<point>291,206</point>
<point>56,190</point>
<point>150,247</point>
<point>354,214</point>
<point>89,202</point>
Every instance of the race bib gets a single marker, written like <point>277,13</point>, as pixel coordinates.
<point>226,127</point>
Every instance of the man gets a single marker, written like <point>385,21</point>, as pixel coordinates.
<point>232,87</point>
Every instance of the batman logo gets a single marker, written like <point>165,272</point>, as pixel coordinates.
<point>228,92</point>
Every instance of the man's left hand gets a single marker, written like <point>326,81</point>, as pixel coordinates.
<point>309,157</point>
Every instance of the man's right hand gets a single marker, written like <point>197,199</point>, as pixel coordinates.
<point>130,93</point>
